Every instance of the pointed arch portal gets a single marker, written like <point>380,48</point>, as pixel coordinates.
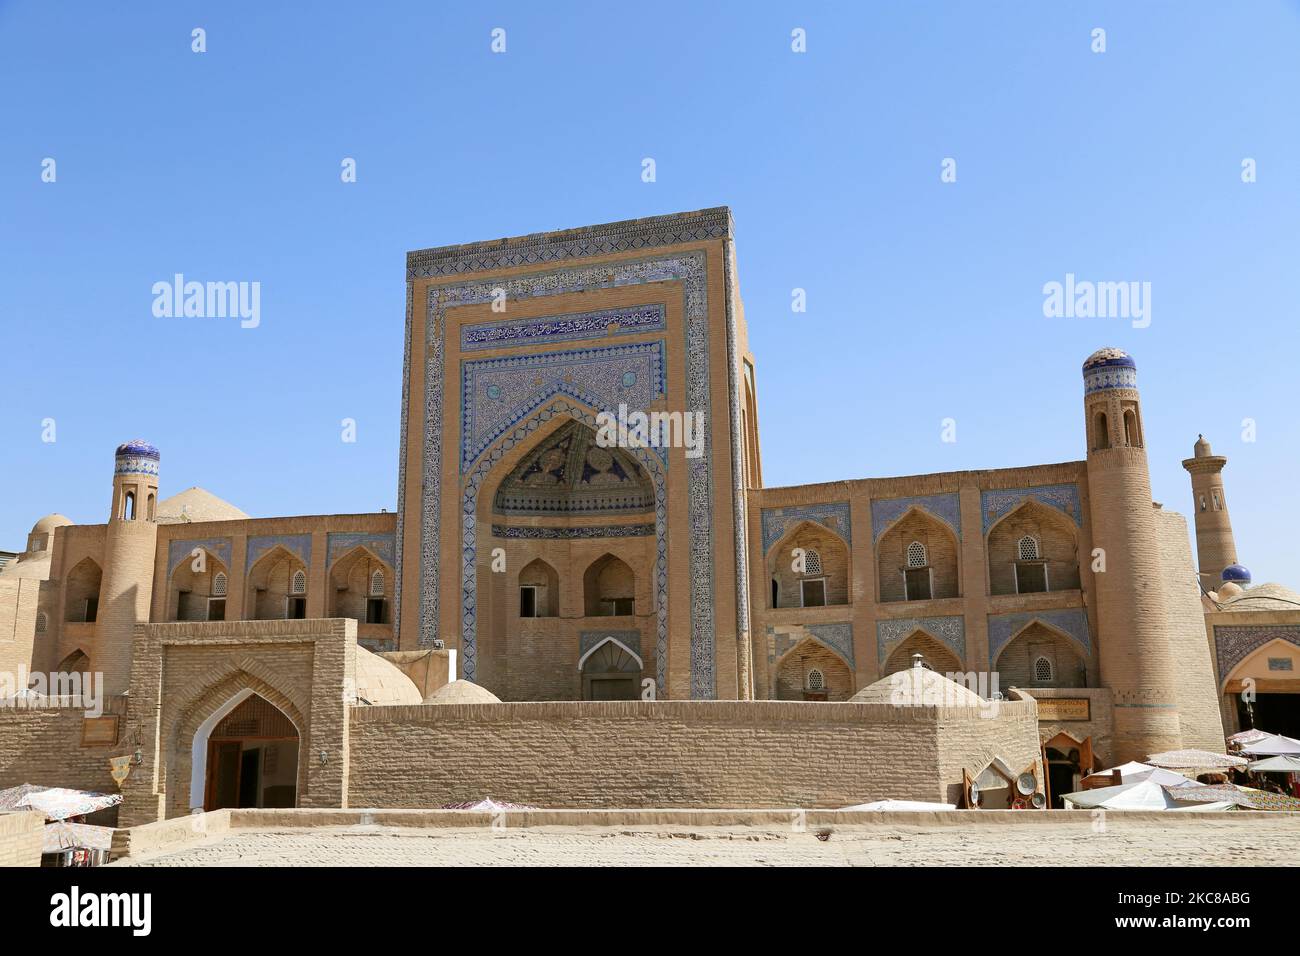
<point>245,754</point>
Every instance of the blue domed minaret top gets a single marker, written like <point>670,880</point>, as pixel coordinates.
<point>1237,574</point>
<point>138,447</point>
<point>1109,368</point>
<point>136,457</point>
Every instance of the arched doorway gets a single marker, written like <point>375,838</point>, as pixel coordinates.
<point>611,672</point>
<point>251,750</point>
<point>1066,761</point>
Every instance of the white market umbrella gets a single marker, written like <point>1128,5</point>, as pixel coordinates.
<point>1133,772</point>
<point>1272,744</point>
<point>1140,795</point>
<point>901,805</point>
<point>1282,763</point>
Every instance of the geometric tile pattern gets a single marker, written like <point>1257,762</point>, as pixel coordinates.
<point>341,542</point>
<point>524,431</point>
<point>1071,621</point>
<point>948,630</point>
<point>833,516</point>
<point>628,320</point>
<point>1234,644</point>
<point>572,532</point>
<point>541,248</point>
<point>838,637</point>
<point>1064,498</point>
<point>299,545</point>
<point>739,507</point>
<point>177,551</point>
<point>496,393</point>
<point>688,268</point>
<point>884,512</point>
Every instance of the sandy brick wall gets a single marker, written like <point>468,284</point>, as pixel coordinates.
<point>674,753</point>
<point>20,838</point>
<point>43,746</point>
<point>18,605</point>
<point>1198,703</point>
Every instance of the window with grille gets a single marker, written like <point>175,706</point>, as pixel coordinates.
<point>377,584</point>
<point>42,622</point>
<point>916,555</point>
<point>219,584</point>
<point>812,562</point>
<point>1042,669</point>
<point>816,680</point>
<point>298,584</point>
<point>1028,548</point>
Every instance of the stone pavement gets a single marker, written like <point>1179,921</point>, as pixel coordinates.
<point>1250,842</point>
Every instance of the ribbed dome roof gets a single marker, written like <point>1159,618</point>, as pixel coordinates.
<point>381,682</point>
<point>50,522</point>
<point>137,448</point>
<point>1263,597</point>
<point>462,692</point>
<point>197,504</point>
<point>1109,356</point>
<point>917,687</point>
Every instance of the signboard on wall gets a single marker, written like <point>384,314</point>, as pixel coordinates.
<point>1064,708</point>
<point>99,731</point>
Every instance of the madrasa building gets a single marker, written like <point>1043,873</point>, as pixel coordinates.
<point>560,618</point>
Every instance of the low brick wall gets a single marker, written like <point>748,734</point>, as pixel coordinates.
<point>21,834</point>
<point>167,835</point>
<point>699,754</point>
<point>42,745</point>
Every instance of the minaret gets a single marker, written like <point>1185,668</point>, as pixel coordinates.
<point>1135,650</point>
<point>128,562</point>
<point>1215,546</point>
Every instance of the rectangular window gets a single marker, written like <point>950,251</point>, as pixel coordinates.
<point>813,592</point>
<point>527,600</point>
<point>216,609</point>
<point>92,610</point>
<point>917,581</point>
<point>297,609</point>
<point>618,607</point>
<point>375,611</point>
<point>1031,577</point>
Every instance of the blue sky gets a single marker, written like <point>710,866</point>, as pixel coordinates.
<point>924,298</point>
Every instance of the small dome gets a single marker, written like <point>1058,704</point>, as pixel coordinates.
<point>1109,357</point>
<point>917,687</point>
<point>137,448</point>
<point>1202,448</point>
<point>47,524</point>
<point>1227,591</point>
<point>462,692</point>
<point>382,682</point>
<point>1236,573</point>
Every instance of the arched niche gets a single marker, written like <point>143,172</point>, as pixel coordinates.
<point>1041,656</point>
<point>277,587</point>
<point>81,594</point>
<point>937,655</point>
<point>539,590</point>
<point>809,567</point>
<point>198,589</point>
<point>609,588</point>
<point>361,587</point>
<point>917,559</point>
<point>1055,538</point>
